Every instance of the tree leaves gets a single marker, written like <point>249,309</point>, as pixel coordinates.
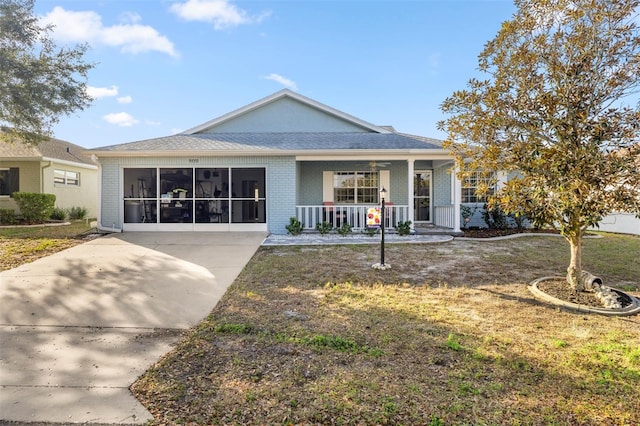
<point>39,82</point>
<point>555,112</point>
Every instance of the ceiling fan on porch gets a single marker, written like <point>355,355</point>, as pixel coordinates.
<point>378,164</point>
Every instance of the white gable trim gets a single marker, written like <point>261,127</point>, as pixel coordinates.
<point>279,95</point>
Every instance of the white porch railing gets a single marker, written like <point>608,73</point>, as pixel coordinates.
<point>443,216</point>
<point>354,215</point>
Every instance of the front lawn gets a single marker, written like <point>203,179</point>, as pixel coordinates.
<point>24,244</point>
<point>450,335</point>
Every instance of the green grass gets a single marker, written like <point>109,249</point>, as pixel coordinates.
<point>19,245</point>
<point>72,230</point>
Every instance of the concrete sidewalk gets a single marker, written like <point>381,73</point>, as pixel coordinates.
<point>78,327</point>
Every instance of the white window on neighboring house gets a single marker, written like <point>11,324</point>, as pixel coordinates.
<point>355,187</point>
<point>66,177</point>
<point>474,181</point>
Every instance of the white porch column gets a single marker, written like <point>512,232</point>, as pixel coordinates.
<point>456,192</point>
<point>410,172</point>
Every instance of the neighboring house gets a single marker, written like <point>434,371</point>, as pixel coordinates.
<point>283,156</point>
<point>622,223</point>
<point>52,167</point>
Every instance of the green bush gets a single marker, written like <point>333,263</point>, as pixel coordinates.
<point>344,229</point>
<point>294,227</point>
<point>35,207</point>
<point>78,213</point>
<point>370,231</point>
<point>58,214</point>
<point>494,217</point>
<point>403,228</point>
<point>323,227</point>
<point>7,217</point>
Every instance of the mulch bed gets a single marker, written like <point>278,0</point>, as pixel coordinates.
<point>561,290</point>
<point>490,233</point>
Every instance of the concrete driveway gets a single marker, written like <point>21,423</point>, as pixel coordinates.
<point>78,327</point>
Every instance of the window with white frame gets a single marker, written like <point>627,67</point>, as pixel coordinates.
<point>473,182</point>
<point>355,187</point>
<point>66,177</point>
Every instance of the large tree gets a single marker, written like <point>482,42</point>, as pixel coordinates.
<point>39,82</point>
<point>558,112</point>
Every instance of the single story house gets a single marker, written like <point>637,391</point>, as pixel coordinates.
<point>283,156</point>
<point>52,167</point>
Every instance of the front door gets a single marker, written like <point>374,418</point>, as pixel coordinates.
<point>422,196</point>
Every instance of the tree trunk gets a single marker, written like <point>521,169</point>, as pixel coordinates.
<point>574,271</point>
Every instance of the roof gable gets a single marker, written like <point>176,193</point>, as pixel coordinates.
<point>285,112</point>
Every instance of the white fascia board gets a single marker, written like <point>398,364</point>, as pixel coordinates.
<point>436,154</point>
<point>315,155</point>
<point>278,95</point>
<point>71,163</point>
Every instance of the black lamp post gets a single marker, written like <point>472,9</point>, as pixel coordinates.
<point>383,193</point>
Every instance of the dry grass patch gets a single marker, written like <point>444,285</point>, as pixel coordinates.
<point>450,335</point>
<point>20,245</point>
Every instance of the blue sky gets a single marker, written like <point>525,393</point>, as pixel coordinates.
<point>165,66</point>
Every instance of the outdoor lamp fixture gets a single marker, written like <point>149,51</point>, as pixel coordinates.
<point>383,194</point>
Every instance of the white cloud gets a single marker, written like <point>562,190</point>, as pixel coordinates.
<point>125,100</point>
<point>130,18</point>
<point>86,26</point>
<point>102,92</point>
<point>222,13</point>
<point>122,119</point>
<point>290,84</point>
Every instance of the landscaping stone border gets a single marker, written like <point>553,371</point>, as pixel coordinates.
<point>632,309</point>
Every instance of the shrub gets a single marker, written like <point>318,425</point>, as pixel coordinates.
<point>370,231</point>
<point>520,220</point>
<point>494,217</point>
<point>78,213</point>
<point>323,227</point>
<point>35,207</point>
<point>58,214</point>
<point>7,217</point>
<point>344,229</point>
<point>403,228</point>
<point>467,214</point>
<point>294,227</point>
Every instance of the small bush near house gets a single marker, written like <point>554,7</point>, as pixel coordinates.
<point>370,231</point>
<point>294,227</point>
<point>323,227</point>
<point>494,217</point>
<point>7,217</point>
<point>35,207</point>
<point>78,213</point>
<point>403,228</point>
<point>345,229</point>
<point>58,214</point>
<point>467,214</point>
<point>520,220</point>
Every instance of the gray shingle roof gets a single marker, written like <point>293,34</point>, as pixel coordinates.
<point>270,142</point>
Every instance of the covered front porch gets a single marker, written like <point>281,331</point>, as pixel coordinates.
<point>356,216</point>
<point>422,190</point>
